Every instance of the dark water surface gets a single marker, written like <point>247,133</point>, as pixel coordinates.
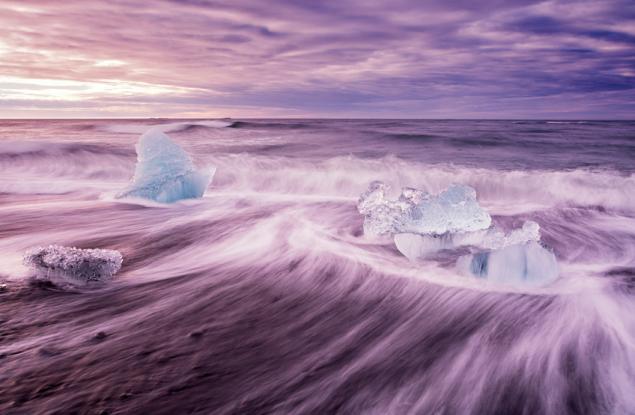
<point>266,297</point>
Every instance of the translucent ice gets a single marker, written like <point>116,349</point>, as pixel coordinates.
<point>453,210</point>
<point>165,172</point>
<point>423,224</point>
<point>382,216</point>
<point>521,264</point>
<point>495,239</point>
<point>415,246</point>
<point>73,264</point>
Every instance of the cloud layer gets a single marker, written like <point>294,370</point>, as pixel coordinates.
<point>343,58</point>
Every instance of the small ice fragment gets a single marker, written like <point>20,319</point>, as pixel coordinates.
<point>73,264</point>
<point>453,210</point>
<point>381,216</point>
<point>165,172</point>
<point>496,239</point>
<point>373,197</point>
<point>521,264</point>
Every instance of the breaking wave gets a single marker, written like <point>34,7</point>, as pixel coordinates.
<point>171,127</point>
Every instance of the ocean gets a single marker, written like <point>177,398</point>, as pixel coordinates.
<point>265,296</point>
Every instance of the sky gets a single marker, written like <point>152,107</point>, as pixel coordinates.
<point>342,58</point>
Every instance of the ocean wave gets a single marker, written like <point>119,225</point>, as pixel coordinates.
<point>140,128</point>
<point>266,296</point>
<point>54,168</point>
<point>12,149</point>
<point>268,124</point>
<point>503,190</point>
<point>344,176</point>
<point>566,122</point>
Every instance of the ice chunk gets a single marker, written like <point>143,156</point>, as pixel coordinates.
<point>73,264</point>
<point>165,172</point>
<point>381,216</point>
<point>525,264</point>
<point>453,210</point>
<point>415,246</point>
<point>496,239</point>
<point>423,224</point>
<point>372,198</point>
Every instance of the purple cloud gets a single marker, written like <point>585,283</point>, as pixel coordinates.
<point>334,58</point>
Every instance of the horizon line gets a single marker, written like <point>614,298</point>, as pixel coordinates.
<point>310,118</point>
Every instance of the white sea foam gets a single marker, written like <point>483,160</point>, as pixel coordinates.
<point>499,191</point>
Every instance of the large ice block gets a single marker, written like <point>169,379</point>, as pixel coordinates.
<point>453,210</point>
<point>165,172</point>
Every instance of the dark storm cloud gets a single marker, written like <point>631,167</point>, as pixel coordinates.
<point>544,25</point>
<point>328,58</point>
